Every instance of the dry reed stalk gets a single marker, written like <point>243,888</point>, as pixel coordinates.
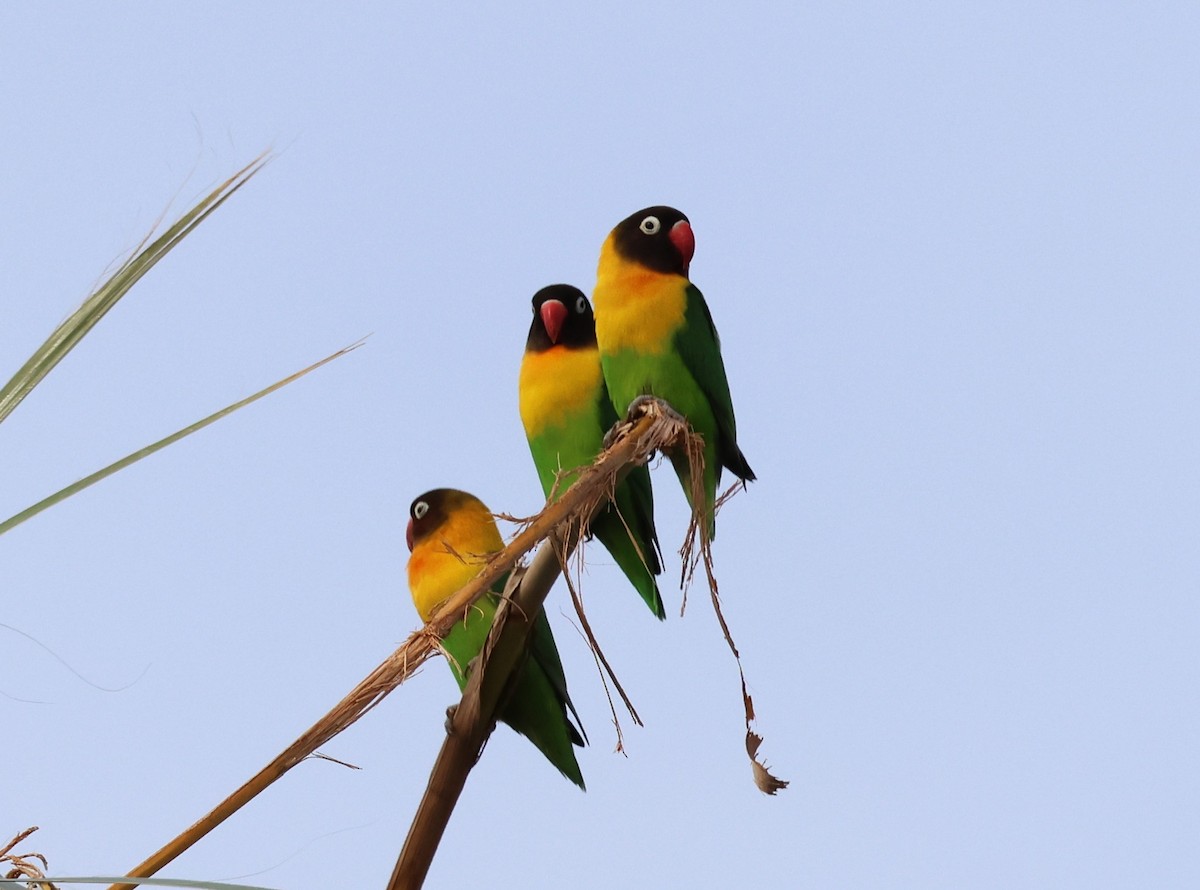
<point>635,441</point>
<point>473,721</point>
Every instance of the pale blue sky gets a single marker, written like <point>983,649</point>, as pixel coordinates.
<point>952,253</point>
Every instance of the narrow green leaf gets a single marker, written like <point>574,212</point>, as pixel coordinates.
<point>83,319</point>
<point>83,483</point>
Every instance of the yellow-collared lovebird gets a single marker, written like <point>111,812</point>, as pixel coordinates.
<point>566,411</point>
<point>450,533</point>
<point>656,337</point>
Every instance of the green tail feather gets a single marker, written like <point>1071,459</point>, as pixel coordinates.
<point>635,549</point>
<point>634,501</point>
<point>711,479</point>
<point>526,711</point>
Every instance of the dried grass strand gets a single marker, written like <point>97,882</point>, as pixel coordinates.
<point>25,865</point>
<point>696,549</point>
<point>598,654</point>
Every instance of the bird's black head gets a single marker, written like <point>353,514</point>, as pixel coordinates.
<point>429,511</point>
<point>562,316</point>
<point>659,238</point>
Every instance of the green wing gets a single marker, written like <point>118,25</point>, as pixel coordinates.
<point>699,346</point>
<point>575,443</point>
<point>626,527</point>
<point>543,651</point>
<point>538,706</point>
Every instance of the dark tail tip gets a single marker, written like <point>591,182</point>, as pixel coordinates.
<point>740,467</point>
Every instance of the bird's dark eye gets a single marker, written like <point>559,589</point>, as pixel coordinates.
<point>650,225</point>
<point>581,305</point>
<point>420,508</point>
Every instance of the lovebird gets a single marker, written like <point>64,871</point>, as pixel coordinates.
<point>656,337</point>
<point>566,410</point>
<point>450,534</point>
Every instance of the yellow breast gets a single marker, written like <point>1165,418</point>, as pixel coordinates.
<point>636,308</point>
<point>443,563</point>
<point>555,384</point>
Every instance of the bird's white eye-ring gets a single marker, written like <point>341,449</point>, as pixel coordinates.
<point>650,225</point>
<point>420,508</point>
<point>581,305</point>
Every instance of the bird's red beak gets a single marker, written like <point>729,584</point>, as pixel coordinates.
<point>408,535</point>
<point>554,314</point>
<point>684,239</point>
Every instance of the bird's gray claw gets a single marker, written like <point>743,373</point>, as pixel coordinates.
<point>450,712</point>
<point>611,435</point>
<point>639,405</point>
